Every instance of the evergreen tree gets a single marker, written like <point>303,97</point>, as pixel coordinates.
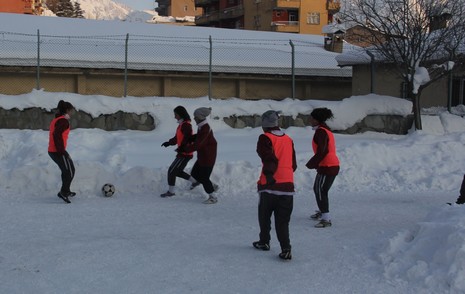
<point>65,8</point>
<point>52,5</point>
<point>78,12</point>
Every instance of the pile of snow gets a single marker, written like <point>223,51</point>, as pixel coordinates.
<point>392,231</point>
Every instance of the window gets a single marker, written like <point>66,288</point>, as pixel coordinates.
<point>185,8</point>
<point>313,18</point>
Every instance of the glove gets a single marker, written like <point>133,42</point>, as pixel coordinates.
<point>165,144</point>
<point>180,149</point>
<point>308,165</point>
<point>270,180</point>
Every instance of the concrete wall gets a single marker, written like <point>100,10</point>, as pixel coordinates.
<point>110,82</point>
<point>38,118</point>
<point>387,82</point>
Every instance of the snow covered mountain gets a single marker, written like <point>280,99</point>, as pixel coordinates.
<point>104,9</point>
<point>111,10</point>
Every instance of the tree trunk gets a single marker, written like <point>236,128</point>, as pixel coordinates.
<point>416,111</point>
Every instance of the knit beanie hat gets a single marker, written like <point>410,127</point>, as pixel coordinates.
<point>202,112</point>
<point>270,119</point>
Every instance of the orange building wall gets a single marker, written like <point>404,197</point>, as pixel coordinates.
<point>16,6</point>
<point>313,6</point>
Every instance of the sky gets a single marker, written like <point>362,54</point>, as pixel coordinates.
<point>139,4</point>
<point>392,229</point>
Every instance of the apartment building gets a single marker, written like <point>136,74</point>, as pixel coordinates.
<point>289,16</point>
<point>177,8</point>
<point>221,13</point>
<point>21,6</point>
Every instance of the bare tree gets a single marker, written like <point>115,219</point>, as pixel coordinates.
<point>414,35</point>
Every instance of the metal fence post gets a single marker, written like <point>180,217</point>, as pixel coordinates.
<point>210,69</point>
<point>38,61</point>
<point>293,68</point>
<point>126,66</point>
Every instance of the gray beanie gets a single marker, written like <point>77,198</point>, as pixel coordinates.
<point>270,119</point>
<point>202,112</point>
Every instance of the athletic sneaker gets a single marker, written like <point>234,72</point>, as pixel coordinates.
<point>211,200</point>
<point>167,194</point>
<point>316,216</point>
<point>323,224</point>
<point>64,197</point>
<point>285,254</point>
<point>261,245</point>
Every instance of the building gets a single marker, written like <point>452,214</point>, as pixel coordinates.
<point>21,6</point>
<point>177,8</point>
<point>221,13</point>
<point>289,16</point>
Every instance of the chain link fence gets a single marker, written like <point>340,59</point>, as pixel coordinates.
<point>149,65</point>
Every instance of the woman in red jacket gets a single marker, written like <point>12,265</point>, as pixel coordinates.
<point>58,138</point>
<point>325,161</point>
<point>181,139</point>
<point>276,184</point>
<point>206,146</point>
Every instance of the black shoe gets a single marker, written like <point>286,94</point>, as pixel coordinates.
<point>64,197</point>
<point>167,194</point>
<point>72,194</point>
<point>316,216</point>
<point>261,245</point>
<point>285,254</point>
<point>323,224</point>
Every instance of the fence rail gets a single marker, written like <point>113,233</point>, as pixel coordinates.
<point>129,53</point>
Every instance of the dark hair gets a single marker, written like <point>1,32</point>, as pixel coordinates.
<point>182,112</point>
<point>322,114</point>
<point>64,106</point>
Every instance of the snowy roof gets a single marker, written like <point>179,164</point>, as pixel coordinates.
<point>68,42</point>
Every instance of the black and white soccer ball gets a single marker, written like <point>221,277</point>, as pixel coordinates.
<point>108,190</point>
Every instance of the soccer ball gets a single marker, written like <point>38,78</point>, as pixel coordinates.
<point>108,190</point>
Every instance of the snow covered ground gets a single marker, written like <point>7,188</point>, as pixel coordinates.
<point>392,230</point>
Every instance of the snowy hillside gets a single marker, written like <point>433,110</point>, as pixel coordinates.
<point>104,9</point>
<point>110,10</point>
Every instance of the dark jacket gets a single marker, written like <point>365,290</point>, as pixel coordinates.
<point>186,130</point>
<point>321,139</point>
<point>205,144</point>
<point>61,126</point>
<point>270,163</point>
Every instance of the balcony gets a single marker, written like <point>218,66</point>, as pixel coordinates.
<point>204,2</point>
<point>333,6</point>
<point>285,26</point>
<point>287,3</point>
<point>232,12</point>
<point>213,16</point>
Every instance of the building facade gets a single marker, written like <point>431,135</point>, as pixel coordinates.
<point>221,13</point>
<point>21,6</point>
<point>177,8</point>
<point>288,16</point>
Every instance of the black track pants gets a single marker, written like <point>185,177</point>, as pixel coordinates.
<point>177,170</point>
<point>66,165</point>
<point>281,206</point>
<point>321,188</point>
<point>202,175</point>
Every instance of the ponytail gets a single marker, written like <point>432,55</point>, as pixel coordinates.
<point>64,106</point>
